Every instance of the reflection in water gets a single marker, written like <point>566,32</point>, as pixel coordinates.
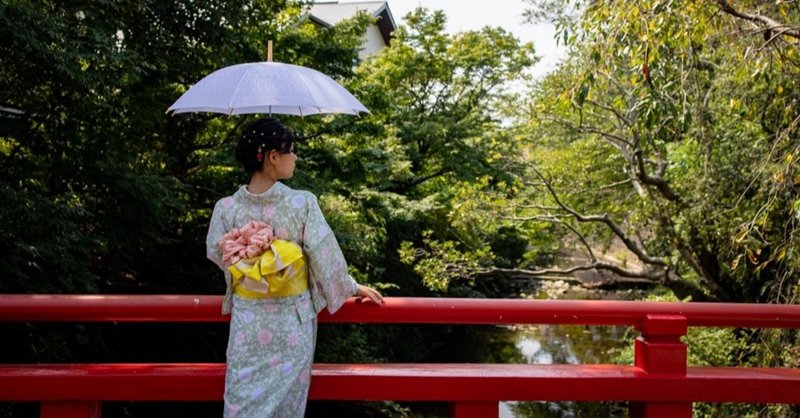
<point>566,344</point>
<point>533,344</point>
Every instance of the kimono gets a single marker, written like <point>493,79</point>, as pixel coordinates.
<point>271,342</point>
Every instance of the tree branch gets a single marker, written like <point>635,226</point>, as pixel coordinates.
<point>604,219</point>
<point>612,110</point>
<point>652,276</point>
<point>616,140</point>
<point>554,219</point>
<point>709,281</point>
<point>606,187</point>
<point>657,181</point>
<point>404,186</point>
<point>766,23</point>
<point>625,279</point>
<point>540,207</point>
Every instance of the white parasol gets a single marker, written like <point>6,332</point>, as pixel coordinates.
<point>270,88</point>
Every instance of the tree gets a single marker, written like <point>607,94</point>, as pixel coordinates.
<point>670,131</point>
<point>434,136</point>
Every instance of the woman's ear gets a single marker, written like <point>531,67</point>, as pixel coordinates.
<point>272,156</point>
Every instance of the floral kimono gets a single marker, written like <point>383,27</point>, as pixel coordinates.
<point>271,342</point>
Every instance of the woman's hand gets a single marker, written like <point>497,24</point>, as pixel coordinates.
<point>365,292</point>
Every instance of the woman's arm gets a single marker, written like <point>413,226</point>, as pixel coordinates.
<point>216,230</point>
<point>326,264</point>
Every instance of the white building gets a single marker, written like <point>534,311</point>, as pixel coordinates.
<point>377,36</point>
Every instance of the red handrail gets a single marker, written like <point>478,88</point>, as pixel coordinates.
<point>659,384</point>
<point>204,308</point>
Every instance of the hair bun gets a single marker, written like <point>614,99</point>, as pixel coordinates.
<point>260,137</point>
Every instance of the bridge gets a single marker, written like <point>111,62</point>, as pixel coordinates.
<point>658,384</point>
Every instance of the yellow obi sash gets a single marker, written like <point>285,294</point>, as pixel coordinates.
<point>280,271</point>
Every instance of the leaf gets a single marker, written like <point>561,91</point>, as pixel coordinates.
<point>752,255</point>
<point>735,262</point>
<point>580,96</point>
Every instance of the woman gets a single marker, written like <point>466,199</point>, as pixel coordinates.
<point>275,296</point>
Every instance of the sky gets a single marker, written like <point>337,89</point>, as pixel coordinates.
<point>463,15</point>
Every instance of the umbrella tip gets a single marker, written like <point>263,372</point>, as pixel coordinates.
<point>269,50</point>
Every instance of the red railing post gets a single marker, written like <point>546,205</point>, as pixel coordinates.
<point>475,409</point>
<point>659,350</point>
<point>70,409</point>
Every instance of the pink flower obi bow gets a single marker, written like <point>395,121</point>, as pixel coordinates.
<point>248,241</point>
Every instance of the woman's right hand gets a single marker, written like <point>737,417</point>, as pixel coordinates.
<point>366,292</point>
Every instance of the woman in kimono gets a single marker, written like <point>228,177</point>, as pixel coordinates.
<point>274,297</point>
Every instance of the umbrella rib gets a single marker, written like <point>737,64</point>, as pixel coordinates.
<point>236,91</point>
<point>304,81</point>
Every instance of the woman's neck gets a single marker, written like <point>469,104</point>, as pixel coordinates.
<point>260,182</point>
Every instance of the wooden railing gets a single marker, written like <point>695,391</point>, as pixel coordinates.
<point>659,384</point>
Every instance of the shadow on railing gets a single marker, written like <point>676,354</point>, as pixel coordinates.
<point>659,384</point>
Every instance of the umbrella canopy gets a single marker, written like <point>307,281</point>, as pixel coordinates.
<point>267,87</point>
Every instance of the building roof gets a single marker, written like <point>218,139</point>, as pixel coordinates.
<point>330,13</point>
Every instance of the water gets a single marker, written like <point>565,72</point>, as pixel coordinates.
<point>566,344</point>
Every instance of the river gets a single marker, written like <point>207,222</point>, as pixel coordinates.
<point>568,344</point>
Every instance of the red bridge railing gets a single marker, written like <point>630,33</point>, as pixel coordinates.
<point>659,384</point>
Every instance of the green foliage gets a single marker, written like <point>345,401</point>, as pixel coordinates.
<point>681,133</point>
<point>718,347</point>
<point>441,262</point>
<point>442,106</point>
<point>48,254</point>
<point>353,230</point>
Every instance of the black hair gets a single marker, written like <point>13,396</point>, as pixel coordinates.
<point>258,138</point>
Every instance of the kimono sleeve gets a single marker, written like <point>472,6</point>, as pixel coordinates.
<point>327,267</point>
<point>216,230</point>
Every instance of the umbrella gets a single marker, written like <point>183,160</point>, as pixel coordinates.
<point>267,87</point>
